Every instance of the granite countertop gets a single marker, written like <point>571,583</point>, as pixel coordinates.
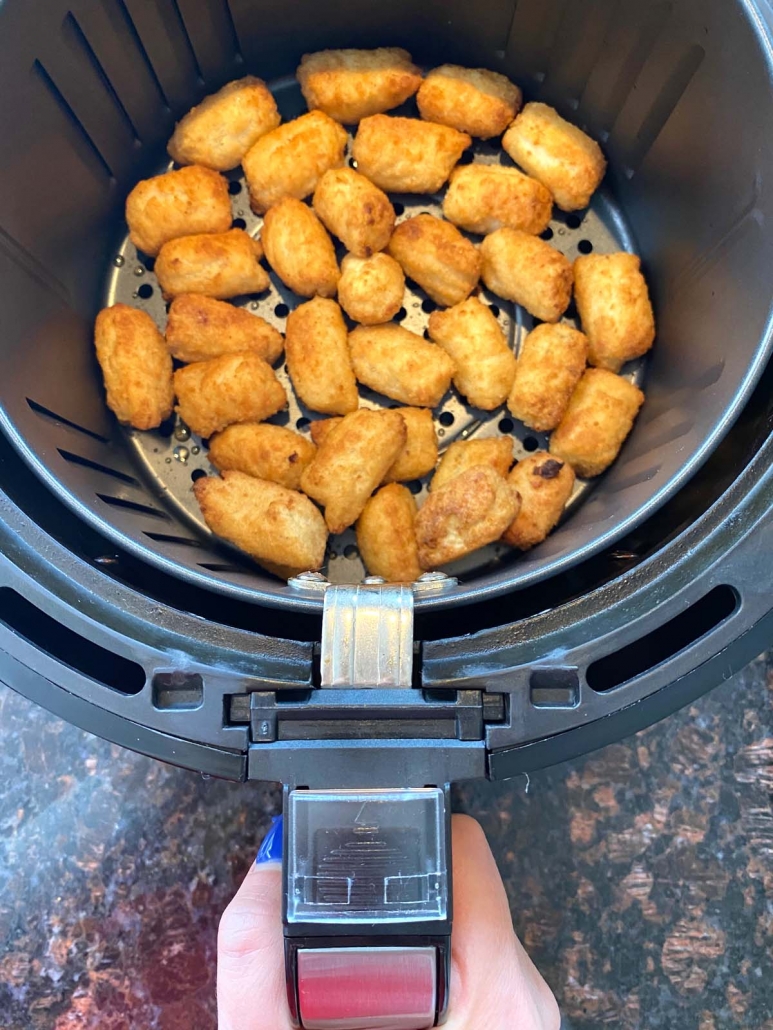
<point>640,878</point>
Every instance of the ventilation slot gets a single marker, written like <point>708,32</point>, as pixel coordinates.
<point>664,105</point>
<point>132,28</point>
<point>220,567</point>
<point>67,647</point>
<point>82,45</point>
<point>657,647</point>
<point>141,509</point>
<point>47,413</point>
<point>88,147</point>
<point>87,463</point>
<point>169,538</point>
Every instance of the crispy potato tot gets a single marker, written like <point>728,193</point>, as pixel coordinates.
<point>400,364</point>
<point>221,265</point>
<point>545,485</point>
<point>529,271</point>
<point>263,451</point>
<point>289,161</point>
<point>182,203</point>
<point>557,153</point>
<point>299,249</point>
<point>484,198</point>
<point>350,84</point>
<point>495,452</point>
<point>233,388</point>
<point>472,510</point>
<point>435,255</point>
<point>485,365</point>
<point>219,131</point>
<point>386,536</point>
<point>354,210</point>
<point>200,328</point>
<point>320,429</point>
<point>279,528</point>
<point>371,290</point>
<point>473,100</point>
<point>318,358</point>
<point>351,463</point>
<point>615,309</point>
<point>136,366</point>
<point>407,155</point>
<point>419,454</point>
<point>549,367</point>
<point>600,415</point>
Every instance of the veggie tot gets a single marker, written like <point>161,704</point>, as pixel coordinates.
<point>549,367</point>
<point>473,100</point>
<point>615,309</point>
<point>485,365</point>
<point>351,462</point>
<point>386,536</point>
<point>557,153</point>
<point>182,203</point>
<point>419,454</point>
<point>136,366</point>
<point>371,290</point>
<point>435,255</point>
<point>527,270</point>
<point>600,415</point>
<point>233,388</point>
<point>407,155</point>
<point>318,358</point>
<point>290,160</point>
<point>279,528</point>
<point>299,249</point>
<point>472,510</point>
<point>545,485</point>
<point>264,451</point>
<point>199,328</point>
<point>350,84</point>
<point>400,364</point>
<point>495,452</point>
<point>221,265</point>
<point>354,210</point>
<point>484,198</point>
<point>219,131</point>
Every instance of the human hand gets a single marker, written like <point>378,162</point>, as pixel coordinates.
<point>494,984</point>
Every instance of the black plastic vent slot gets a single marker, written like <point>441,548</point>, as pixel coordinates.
<point>87,463</point>
<point>657,647</point>
<point>39,409</point>
<point>67,647</point>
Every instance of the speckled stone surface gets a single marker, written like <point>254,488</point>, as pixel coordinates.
<point>640,878</point>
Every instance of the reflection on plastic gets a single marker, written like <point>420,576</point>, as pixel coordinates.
<point>367,989</point>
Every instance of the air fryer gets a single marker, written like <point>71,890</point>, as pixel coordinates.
<point>121,613</point>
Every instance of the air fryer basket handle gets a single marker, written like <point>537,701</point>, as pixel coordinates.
<point>366,873</point>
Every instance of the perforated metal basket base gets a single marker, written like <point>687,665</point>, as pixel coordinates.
<point>173,458</point>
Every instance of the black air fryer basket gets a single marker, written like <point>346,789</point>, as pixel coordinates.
<point>119,612</point>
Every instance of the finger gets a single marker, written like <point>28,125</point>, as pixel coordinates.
<point>494,983</point>
<point>250,955</point>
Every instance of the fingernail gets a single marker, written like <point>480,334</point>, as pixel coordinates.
<point>271,848</point>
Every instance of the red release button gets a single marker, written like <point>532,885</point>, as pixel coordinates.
<point>367,988</point>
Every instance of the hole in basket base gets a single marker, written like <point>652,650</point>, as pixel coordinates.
<point>530,443</point>
<point>145,292</point>
<point>177,691</point>
<point>446,418</point>
<point>657,647</point>
<point>585,247</point>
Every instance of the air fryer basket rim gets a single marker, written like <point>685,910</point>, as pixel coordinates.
<point>491,584</point>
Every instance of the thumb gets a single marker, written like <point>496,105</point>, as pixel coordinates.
<point>250,955</point>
